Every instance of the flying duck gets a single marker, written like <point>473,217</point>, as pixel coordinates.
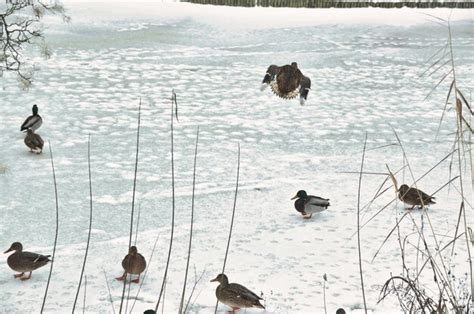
<point>307,205</point>
<point>24,262</point>
<point>234,295</point>
<point>33,122</point>
<point>133,263</point>
<point>34,141</point>
<point>414,197</point>
<point>287,82</point>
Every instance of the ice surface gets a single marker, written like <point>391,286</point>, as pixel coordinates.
<point>366,77</point>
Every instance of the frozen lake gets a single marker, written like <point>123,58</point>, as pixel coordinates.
<point>365,77</point>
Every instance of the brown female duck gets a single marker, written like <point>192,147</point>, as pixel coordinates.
<point>133,263</point>
<point>34,141</point>
<point>414,197</point>
<point>24,262</point>
<point>234,295</point>
<point>287,82</point>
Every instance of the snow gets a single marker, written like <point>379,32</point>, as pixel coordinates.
<point>365,66</point>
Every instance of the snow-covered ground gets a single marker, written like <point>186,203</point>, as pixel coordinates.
<point>365,66</point>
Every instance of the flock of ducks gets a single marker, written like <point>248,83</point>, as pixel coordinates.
<point>286,82</point>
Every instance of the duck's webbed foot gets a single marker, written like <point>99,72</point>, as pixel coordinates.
<point>136,280</point>
<point>122,277</point>
<point>18,275</point>
<point>307,216</point>
<point>26,278</point>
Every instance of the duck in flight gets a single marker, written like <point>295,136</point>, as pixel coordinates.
<point>287,82</point>
<point>33,122</point>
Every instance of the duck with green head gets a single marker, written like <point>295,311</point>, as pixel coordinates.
<point>234,295</point>
<point>24,262</point>
<point>307,205</point>
<point>33,122</point>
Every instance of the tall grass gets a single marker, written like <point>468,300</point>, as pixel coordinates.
<point>133,198</point>
<point>56,230</point>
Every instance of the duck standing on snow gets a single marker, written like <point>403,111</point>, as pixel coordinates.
<point>133,263</point>
<point>414,197</point>
<point>287,82</point>
<point>307,205</point>
<point>24,262</point>
<point>33,122</point>
<point>34,141</point>
<point>234,295</point>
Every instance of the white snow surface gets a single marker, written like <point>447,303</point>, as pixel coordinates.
<point>365,67</point>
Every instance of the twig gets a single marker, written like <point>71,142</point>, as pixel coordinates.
<point>358,224</point>
<point>232,220</point>
<point>191,226</point>
<point>133,199</point>
<point>108,289</point>
<point>57,227</point>
<point>146,272</point>
<point>90,223</point>
<point>173,103</point>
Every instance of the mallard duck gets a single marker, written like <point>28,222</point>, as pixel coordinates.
<point>414,197</point>
<point>234,295</point>
<point>33,122</point>
<point>24,262</point>
<point>307,205</point>
<point>287,82</point>
<point>133,263</point>
<point>34,141</point>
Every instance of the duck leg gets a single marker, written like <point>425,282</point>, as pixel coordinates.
<point>137,280</point>
<point>124,276</point>
<point>18,275</point>
<point>26,278</point>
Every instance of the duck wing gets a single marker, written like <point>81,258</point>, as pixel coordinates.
<point>37,141</point>
<point>319,201</point>
<point>305,86</point>
<point>34,260</point>
<point>32,122</point>
<point>243,293</point>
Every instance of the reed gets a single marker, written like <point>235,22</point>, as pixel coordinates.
<point>133,197</point>
<point>232,219</point>
<point>174,108</point>
<point>57,227</point>
<point>90,225</point>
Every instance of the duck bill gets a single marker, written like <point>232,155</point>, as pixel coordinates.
<point>214,280</point>
<point>9,250</point>
<point>294,197</point>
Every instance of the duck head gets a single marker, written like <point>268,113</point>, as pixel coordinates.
<point>221,278</point>
<point>301,194</point>
<point>16,246</point>
<point>403,188</point>
<point>133,250</point>
<point>294,65</point>
<point>35,110</point>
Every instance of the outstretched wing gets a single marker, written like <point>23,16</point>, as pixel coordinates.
<point>305,86</point>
